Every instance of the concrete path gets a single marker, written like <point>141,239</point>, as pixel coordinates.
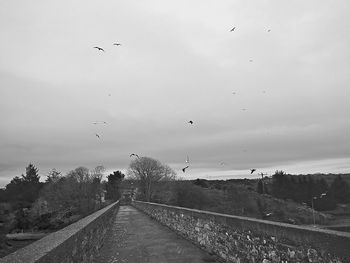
<point>135,237</point>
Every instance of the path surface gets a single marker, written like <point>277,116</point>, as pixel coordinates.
<point>135,237</point>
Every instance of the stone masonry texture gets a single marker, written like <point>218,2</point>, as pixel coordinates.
<point>240,239</point>
<point>78,242</point>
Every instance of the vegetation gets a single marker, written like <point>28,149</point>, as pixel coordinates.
<point>233,197</point>
<point>149,172</point>
<point>78,191</point>
<point>307,189</point>
<point>23,191</point>
<point>30,205</point>
<point>260,187</point>
<point>282,197</point>
<point>113,185</point>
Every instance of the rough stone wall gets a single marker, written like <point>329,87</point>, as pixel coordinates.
<point>78,242</point>
<point>241,239</point>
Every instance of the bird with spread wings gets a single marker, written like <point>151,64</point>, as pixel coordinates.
<point>99,48</point>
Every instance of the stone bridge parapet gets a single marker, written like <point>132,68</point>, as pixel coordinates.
<point>78,242</point>
<point>242,239</point>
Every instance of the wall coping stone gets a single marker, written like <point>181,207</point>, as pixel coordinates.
<point>37,250</point>
<point>250,219</point>
<point>335,242</point>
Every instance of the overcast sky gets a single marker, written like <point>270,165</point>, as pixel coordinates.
<point>287,63</point>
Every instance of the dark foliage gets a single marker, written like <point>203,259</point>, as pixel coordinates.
<point>113,185</point>
<point>23,191</point>
<point>3,197</point>
<point>340,190</point>
<point>304,188</point>
<point>191,196</point>
<point>201,182</point>
<point>260,187</point>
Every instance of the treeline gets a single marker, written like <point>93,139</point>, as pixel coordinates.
<point>60,199</point>
<point>310,189</point>
<point>22,191</point>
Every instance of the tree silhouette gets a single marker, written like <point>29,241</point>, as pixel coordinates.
<point>149,171</point>
<point>32,174</point>
<point>340,190</point>
<point>113,185</point>
<point>24,190</point>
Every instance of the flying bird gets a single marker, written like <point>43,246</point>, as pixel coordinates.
<point>99,122</point>
<point>250,60</point>
<point>98,136</point>
<point>244,109</point>
<point>184,169</point>
<point>190,122</point>
<point>269,30</point>
<point>117,44</point>
<point>134,154</point>
<point>99,48</point>
<point>222,163</point>
<point>252,171</point>
<point>233,29</point>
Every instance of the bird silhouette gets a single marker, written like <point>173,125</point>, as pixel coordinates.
<point>233,29</point>
<point>98,136</point>
<point>99,122</point>
<point>234,93</point>
<point>252,171</point>
<point>269,30</point>
<point>134,154</point>
<point>99,48</point>
<point>190,122</point>
<point>250,60</point>
<point>117,44</point>
<point>222,163</point>
<point>184,169</point>
<point>244,109</point>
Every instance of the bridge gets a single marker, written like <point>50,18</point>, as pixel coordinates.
<point>150,232</point>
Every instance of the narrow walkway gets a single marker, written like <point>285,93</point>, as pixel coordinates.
<point>135,237</point>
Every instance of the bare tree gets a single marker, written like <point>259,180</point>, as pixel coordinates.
<point>79,190</point>
<point>97,172</point>
<point>149,171</point>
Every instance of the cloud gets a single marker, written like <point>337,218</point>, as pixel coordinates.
<point>178,62</point>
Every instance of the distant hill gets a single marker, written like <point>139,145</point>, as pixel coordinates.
<point>235,197</point>
<point>329,177</point>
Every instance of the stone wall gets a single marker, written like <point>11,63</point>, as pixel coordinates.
<point>242,239</point>
<point>78,242</point>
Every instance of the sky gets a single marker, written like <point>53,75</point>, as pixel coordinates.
<point>273,94</point>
